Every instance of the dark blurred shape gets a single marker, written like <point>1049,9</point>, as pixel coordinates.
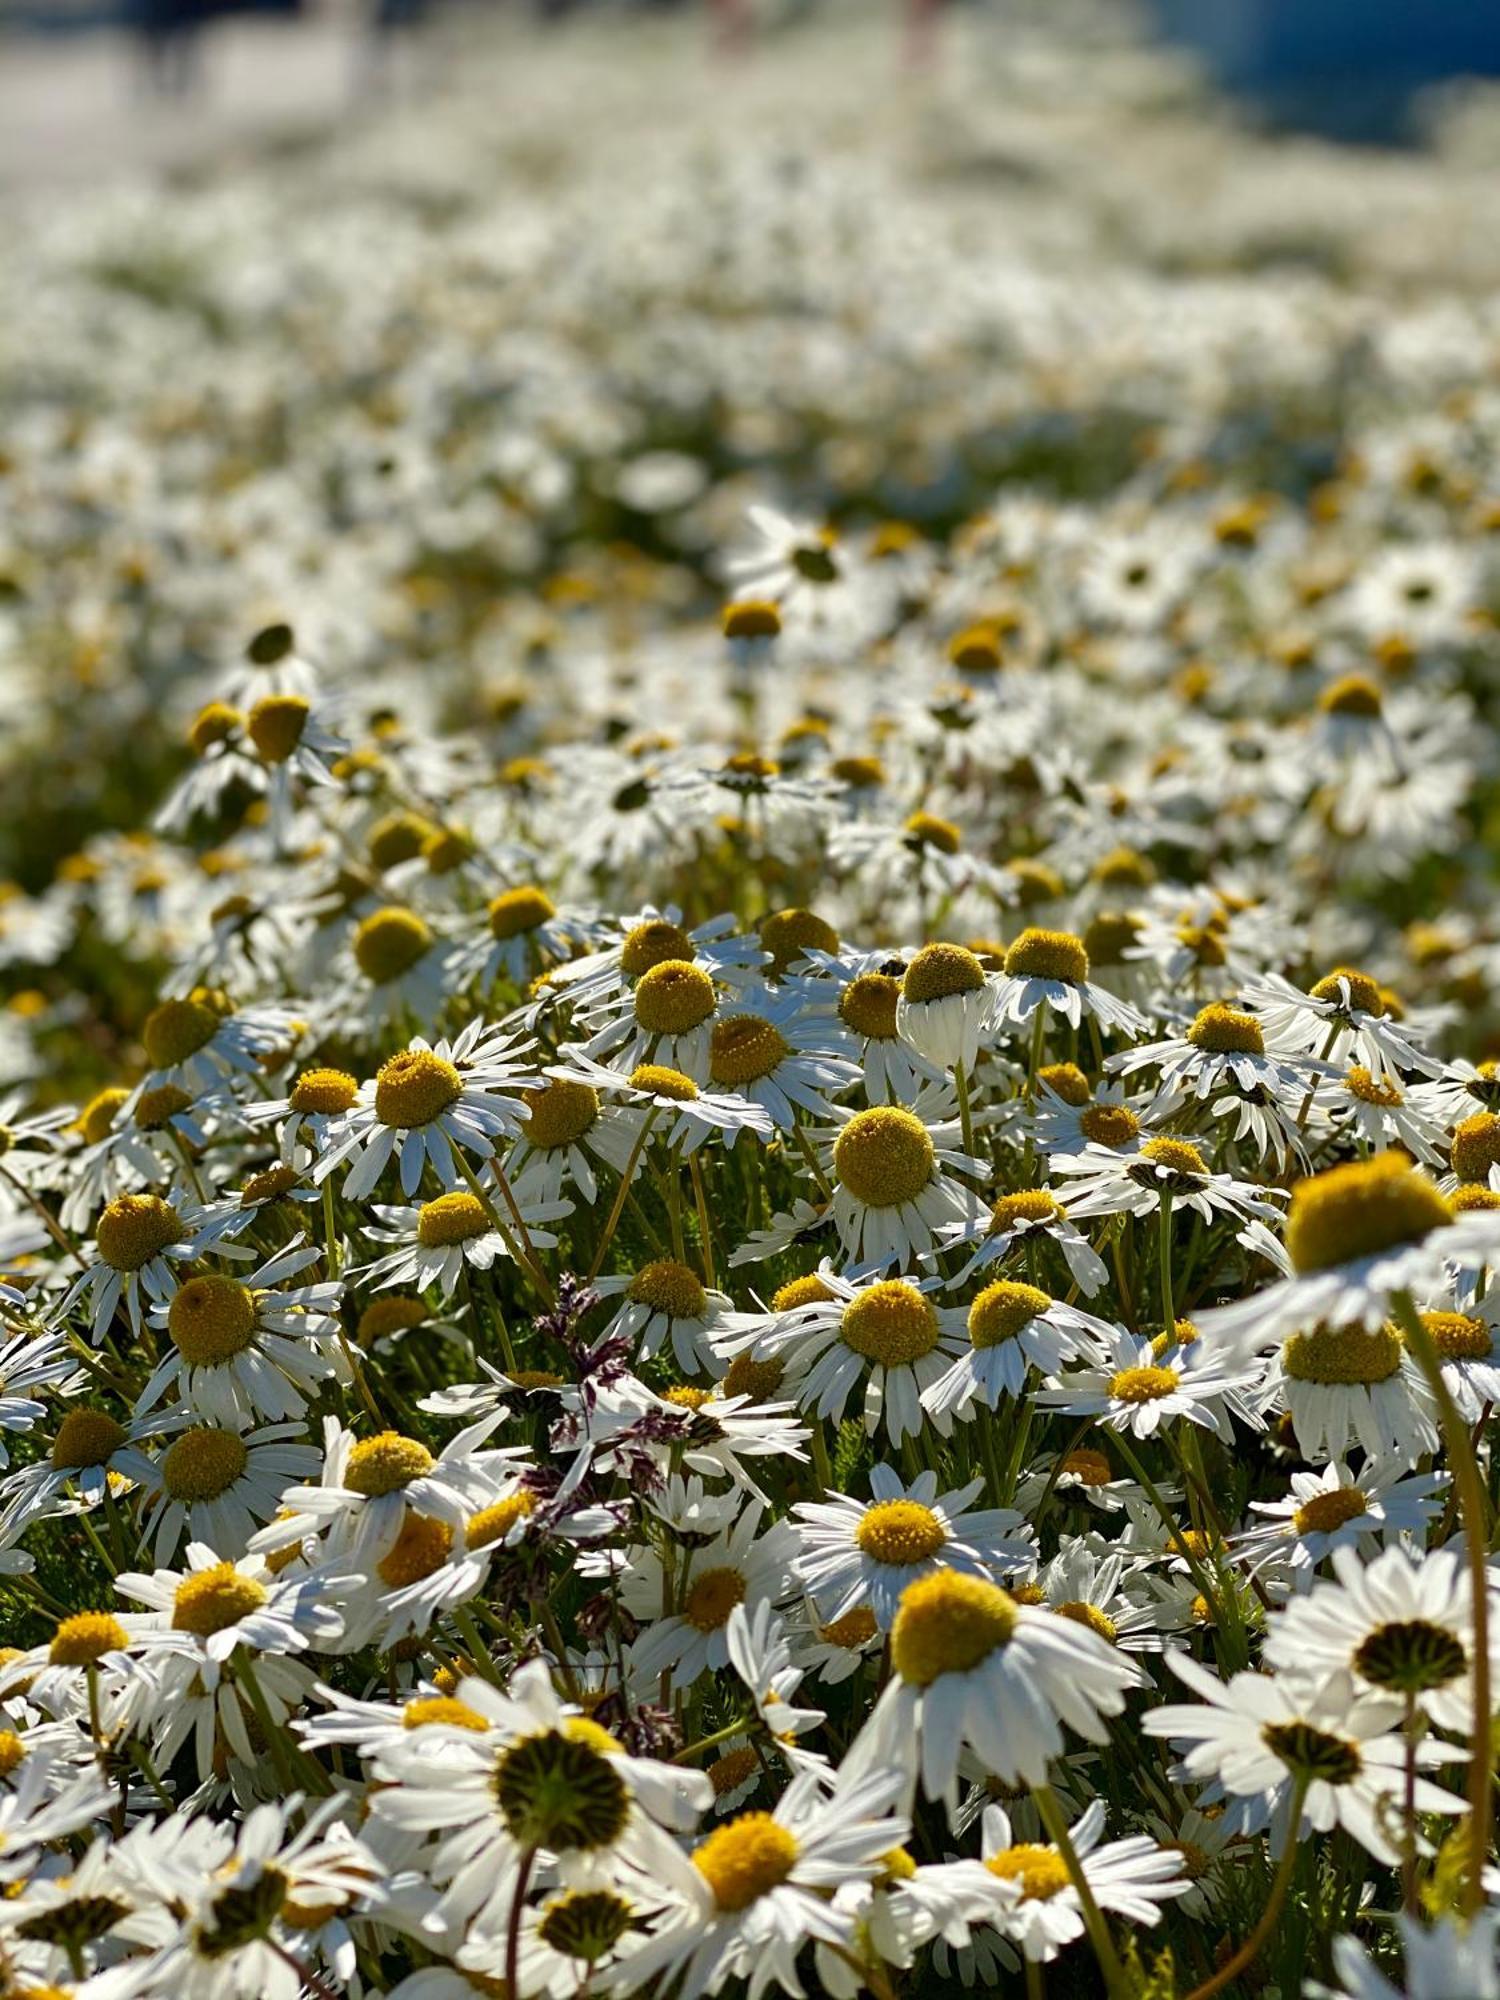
<point>1346,68</point>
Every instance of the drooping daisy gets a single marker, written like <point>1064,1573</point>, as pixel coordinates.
<point>1050,969</point>
<point>947,1006</point>
<point>893,1189</point>
<point>1017,1222</point>
<point>1344,1386</point>
<point>425,1102</point>
<point>974,1667</point>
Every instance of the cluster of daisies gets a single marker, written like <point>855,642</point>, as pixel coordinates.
<point>742,1247</point>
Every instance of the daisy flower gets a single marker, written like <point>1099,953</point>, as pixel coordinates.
<point>1383,1113</point>
<point>1344,1386</point>
<point>1356,1236</point>
<point>1137,1389</point>
<point>776,1054</point>
<point>1160,1171</point>
<point>1014,1222</point>
<point>253,1347</point>
<point>395,964</point>
<point>369,1483</point>
<point>228,1604</point>
<point>1050,969</point>
<point>1343,1019</point>
<point>885,1333</point>
<point>1261,1736</point>
<point>974,1668</point>
<point>1338,1509</point>
<point>893,1189</point>
<point>694,1112</point>
<point>947,1006</point>
<point>737,1567</point>
<point>1068,1114</point>
<point>866,999</point>
<point>436,1242</point>
<point>663,1301</point>
<point>755,1891</point>
<point>1221,1059</point>
<point>853,1552</point>
<point>137,1240</point>
<point>1036,1904</point>
<point>1451,1956</point>
<point>523,934</point>
<point>318,1100</point>
<point>29,1361</point>
<point>219,1484</point>
<point>427,1101</point>
<point>1398,1626</point>
<point>92,1452</point>
<point>1013,1329</point>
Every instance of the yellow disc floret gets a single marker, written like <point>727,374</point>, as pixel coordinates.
<point>673,998</point>
<point>212,1599</point>
<point>1349,989</point>
<point>891,1323</point>
<point>420,1548</point>
<point>515,911</point>
<point>85,1637</point>
<point>413,1087</point>
<point>1331,1354</point>
<point>1038,954</point>
<point>1142,1385</point>
<point>942,972</point>
<point>1039,1872</point>
<point>1224,1030</point>
<point>665,1286</point>
<point>884,1156</point>
<point>1476,1146</point>
<point>900,1532</point>
<point>1326,1513</point>
<point>787,934</point>
<point>203,1463</point>
<point>712,1596</point>
<point>1361,1209</point>
<point>746,1859</point>
<point>558,1113</point>
<point>211,1319</point>
<point>744,1048</point>
<point>1001,1310</point>
<point>1113,1125</point>
<point>86,1438</point>
<point>660,1081</point>
<point>323,1092</point>
<point>868,1005</point>
<point>654,942</point>
<point>948,1623</point>
<point>176,1030</point>
<point>385,1463</point>
<point>389,942</point>
<point>494,1523</point>
<point>275,726</point>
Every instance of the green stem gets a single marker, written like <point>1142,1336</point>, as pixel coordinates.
<point>1057,1831</point>
<point>621,1191</point>
<point>1249,1950</point>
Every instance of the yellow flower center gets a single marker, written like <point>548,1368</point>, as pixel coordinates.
<point>759,1380</point>
<point>1327,1512</point>
<point>1142,1385</point>
<point>655,942</point>
<point>1332,1354</point>
<point>389,942</point>
<point>663,1082</point>
<point>385,1463</point>
<point>424,1710</point>
<point>884,1156</point>
<point>1089,1468</point>
<point>1040,954</point>
<point>751,618</point>
<point>421,1547</point>
<point>1080,1612</point>
<point>211,1599</point>
<point>396,1313</point>
<point>1001,1310</point>
<point>269,1185</point>
<point>517,910</point>
<point>975,650</point>
<point>942,972</point>
<point>1360,1209</point>
<point>924,829</point>
<point>745,1860</point>
<point>96,1120</point>
<point>805,1291</point>
<point>494,1523</point>
<point>397,838</point>
<point>156,1108</point>
<point>1370,1089</point>
<point>325,1092</point>
<point>855,1629</point>
<point>1363,991</point>
<point>214,723</point>
<point>1177,1156</point>
<point>684,1396</point>
<point>275,726</point>
<point>86,1438</point>
<point>787,934</point>
<point>900,1532</point>
<point>744,1048</point>
<point>559,1113</point>
<point>1025,1205</point>
<point>1123,868</point>
<point>1476,1146</point>
<point>12,1751</point>
<point>711,1598</point>
<point>1108,936</point>
<point>446,848</point>
<point>1040,1871</point>
<point>673,998</point>
<point>135,1229</point>
<point>1459,1336</point>
<point>413,1087</point>
<point>176,1030</point>
<point>860,773</point>
<point>868,1005</point>
<point>947,1624</point>
<point>732,1769</point>
<point>668,1287</point>
<point>211,1319</point>
<point>1225,1030</point>
<point>1470,1200</point>
<point>1065,1080</point>
<point>1110,1124</point>
<point>203,1463</point>
<point>890,1322</point>
<point>1351,694</point>
<point>85,1637</point>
